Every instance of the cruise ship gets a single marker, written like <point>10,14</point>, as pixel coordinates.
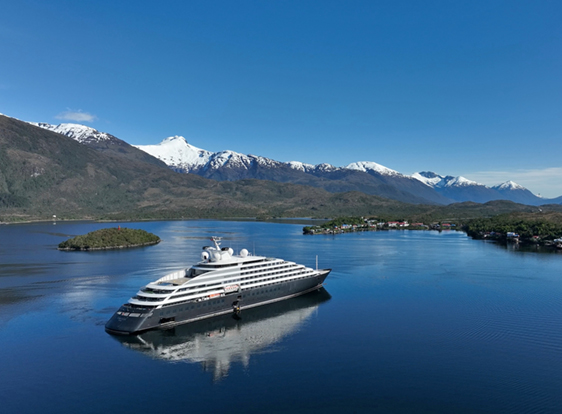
<point>221,283</point>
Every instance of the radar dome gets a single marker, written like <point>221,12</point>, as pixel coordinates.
<point>204,256</point>
<point>243,252</point>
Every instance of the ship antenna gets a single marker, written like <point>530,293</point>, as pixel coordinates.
<point>217,241</point>
<point>316,262</point>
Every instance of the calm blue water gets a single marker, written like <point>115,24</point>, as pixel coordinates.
<point>421,322</point>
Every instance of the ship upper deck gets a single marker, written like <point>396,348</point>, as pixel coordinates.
<point>175,282</point>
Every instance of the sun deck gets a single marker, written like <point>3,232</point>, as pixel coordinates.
<point>174,282</point>
<point>173,279</point>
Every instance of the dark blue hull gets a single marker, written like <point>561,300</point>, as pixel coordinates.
<point>126,322</point>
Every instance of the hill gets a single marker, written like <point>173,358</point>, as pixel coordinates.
<point>101,141</point>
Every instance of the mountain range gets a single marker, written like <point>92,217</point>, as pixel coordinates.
<point>45,173</point>
<point>81,172</point>
<point>366,176</point>
<point>461,189</point>
<point>369,178</point>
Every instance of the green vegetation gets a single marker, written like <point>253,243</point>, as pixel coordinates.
<point>541,228</point>
<point>340,221</point>
<point>341,224</point>
<point>112,238</point>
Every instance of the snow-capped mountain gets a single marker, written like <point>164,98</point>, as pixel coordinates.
<point>81,133</point>
<point>370,167</point>
<point>100,141</point>
<point>182,156</point>
<point>367,177</point>
<point>178,154</point>
<point>438,181</point>
<point>300,166</point>
<point>363,176</point>
<point>515,192</point>
<point>462,189</point>
<point>509,185</point>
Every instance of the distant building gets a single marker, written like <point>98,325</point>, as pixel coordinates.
<point>397,224</point>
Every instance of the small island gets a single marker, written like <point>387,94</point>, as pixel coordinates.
<point>111,238</point>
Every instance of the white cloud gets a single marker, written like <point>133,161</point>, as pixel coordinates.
<point>546,182</point>
<point>76,116</point>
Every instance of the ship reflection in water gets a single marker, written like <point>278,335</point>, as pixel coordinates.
<point>218,342</point>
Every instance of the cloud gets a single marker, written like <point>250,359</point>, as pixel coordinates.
<point>546,182</point>
<point>77,116</point>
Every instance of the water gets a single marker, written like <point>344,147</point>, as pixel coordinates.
<point>414,321</point>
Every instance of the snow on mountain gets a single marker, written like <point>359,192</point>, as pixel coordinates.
<point>266,162</point>
<point>367,166</point>
<point>325,167</point>
<point>430,179</point>
<point>300,166</point>
<point>433,180</point>
<point>177,153</point>
<point>80,133</point>
<point>231,159</point>
<point>182,156</point>
<point>459,182</point>
<point>439,181</point>
<point>461,189</point>
<point>509,185</point>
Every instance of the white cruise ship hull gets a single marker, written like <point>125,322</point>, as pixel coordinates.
<point>127,322</point>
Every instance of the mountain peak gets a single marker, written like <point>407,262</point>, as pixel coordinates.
<point>509,185</point>
<point>428,178</point>
<point>367,166</point>
<point>174,139</point>
<point>300,166</point>
<point>80,133</point>
<point>438,181</point>
<point>460,182</point>
<point>178,153</point>
<point>325,167</point>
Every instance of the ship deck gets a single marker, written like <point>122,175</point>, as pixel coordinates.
<point>176,282</point>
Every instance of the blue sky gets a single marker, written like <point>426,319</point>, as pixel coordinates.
<point>461,88</point>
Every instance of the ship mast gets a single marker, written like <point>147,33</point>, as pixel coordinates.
<point>217,241</point>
